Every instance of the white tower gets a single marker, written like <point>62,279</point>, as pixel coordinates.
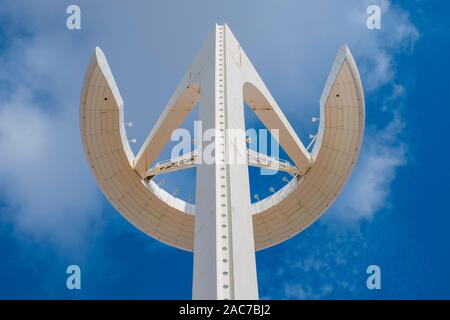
<point>224,249</point>
<point>223,228</point>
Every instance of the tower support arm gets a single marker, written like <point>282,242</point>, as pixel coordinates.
<point>180,105</point>
<point>260,100</point>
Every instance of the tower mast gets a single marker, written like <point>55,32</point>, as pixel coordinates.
<point>224,249</point>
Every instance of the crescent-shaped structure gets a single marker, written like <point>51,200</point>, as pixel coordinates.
<point>223,228</point>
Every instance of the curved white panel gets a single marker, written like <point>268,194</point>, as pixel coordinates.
<point>148,207</point>
<point>300,203</point>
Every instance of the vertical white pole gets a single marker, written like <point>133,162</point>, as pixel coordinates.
<point>224,251</point>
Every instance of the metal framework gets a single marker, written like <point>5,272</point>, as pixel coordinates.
<point>223,228</point>
<point>189,160</point>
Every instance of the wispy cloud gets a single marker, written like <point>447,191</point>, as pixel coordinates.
<point>45,183</point>
<point>307,271</point>
<point>337,267</point>
<point>383,151</point>
<point>369,187</point>
<point>398,34</point>
<point>49,196</point>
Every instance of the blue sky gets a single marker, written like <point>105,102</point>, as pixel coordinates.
<point>393,212</point>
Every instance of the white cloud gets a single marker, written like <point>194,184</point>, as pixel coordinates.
<point>49,195</point>
<point>45,181</point>
<point>306,271</point>
<point>383,151</point>
<point>369,186</point>
<point>376,48</point>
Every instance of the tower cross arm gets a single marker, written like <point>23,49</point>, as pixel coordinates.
<point>180,105</point>
<point>183,100</point>
<point>260,100</point>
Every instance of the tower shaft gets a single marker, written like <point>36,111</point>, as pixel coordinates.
<point>224,250</point>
